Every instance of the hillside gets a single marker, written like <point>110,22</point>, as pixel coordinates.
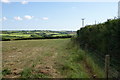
<point>8,35</point>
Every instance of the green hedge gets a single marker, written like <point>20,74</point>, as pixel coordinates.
<point>104,38</point>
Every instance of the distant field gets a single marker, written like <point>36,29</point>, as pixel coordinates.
<point>23,35</point>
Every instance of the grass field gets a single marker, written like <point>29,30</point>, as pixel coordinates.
<point>20,35</point>
<point>53,58</point>
<point>33,34</point>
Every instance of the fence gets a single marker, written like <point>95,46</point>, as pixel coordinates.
<point>113,70</point>
<point>106,62</point>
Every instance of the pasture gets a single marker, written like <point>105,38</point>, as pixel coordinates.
<point>46,58</point>
<point>37,58</point>
<point>33,34</point>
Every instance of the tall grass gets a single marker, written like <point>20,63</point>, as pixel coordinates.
<point>69,62</point>
<point>83,55</point>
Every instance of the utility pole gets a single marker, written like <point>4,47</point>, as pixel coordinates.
<point>83,22</point>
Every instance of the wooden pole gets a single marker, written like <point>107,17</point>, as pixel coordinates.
<point>107,62</point>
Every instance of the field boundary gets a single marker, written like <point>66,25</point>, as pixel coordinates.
<point>63,37</point>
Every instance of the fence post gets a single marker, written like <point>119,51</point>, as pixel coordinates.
<point>107,62</point>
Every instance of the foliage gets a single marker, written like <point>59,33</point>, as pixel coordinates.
<point>104,38</point>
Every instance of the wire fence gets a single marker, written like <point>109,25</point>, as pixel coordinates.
<point>114,65</point>
<point>99,58</point>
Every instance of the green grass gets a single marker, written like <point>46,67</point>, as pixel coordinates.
<point>60,35</point>
<point>49,58</point>
<point>18,35</point>
<point>13,36</point>
<point>96,68</point>
<point>6,72</point>
<point>52,33</point>
<point>28,73</point>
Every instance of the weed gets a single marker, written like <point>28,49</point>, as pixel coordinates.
<point>33,65</point>
<point>6,72</point>
<point>30,73</point>
<point>39,75</point>
<point>26,73</point>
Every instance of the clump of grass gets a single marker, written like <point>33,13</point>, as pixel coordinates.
<point>30,73</point>
<point>96,69</point>
<point>26,73</point>
<point>80,55</point>
<point>6,72</point>
<point>40,75</point>
<point>73,70</point>
<point>33,65</point>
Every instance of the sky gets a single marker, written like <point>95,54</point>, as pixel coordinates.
<point>55,15</point>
